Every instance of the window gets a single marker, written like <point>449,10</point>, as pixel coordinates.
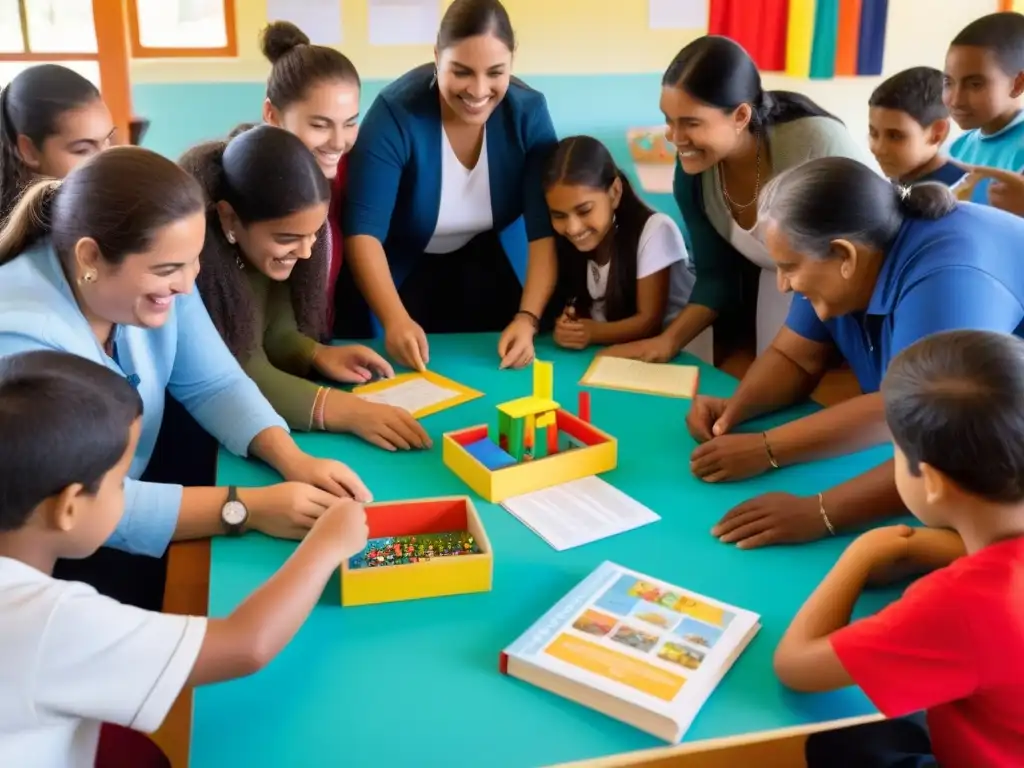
<point>47,30</point>
<point>176,28</point>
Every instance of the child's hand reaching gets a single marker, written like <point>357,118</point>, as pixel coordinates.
<point>342,528</point>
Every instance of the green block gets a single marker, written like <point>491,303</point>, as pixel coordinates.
<point>515,439</point>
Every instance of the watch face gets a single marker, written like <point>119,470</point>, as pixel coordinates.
<point>234,513</point>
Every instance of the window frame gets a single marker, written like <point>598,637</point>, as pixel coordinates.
<point>139,51</point>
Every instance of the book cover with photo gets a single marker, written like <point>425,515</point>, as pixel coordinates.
<point>635,648</point>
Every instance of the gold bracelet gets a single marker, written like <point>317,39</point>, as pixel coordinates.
<point>824,515</point>
<point>768,450</point>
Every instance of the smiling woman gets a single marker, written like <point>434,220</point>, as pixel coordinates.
<point>265,260</point>
<point>51,119</point>
<point>451,156</point>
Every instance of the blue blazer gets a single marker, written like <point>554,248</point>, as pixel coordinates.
<point>394,170</point>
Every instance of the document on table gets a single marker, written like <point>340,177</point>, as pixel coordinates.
<point>579,512</point>
<point>637,376</point>
<point>413,395</point>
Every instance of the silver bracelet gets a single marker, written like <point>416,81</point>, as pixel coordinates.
<point>824,515</point>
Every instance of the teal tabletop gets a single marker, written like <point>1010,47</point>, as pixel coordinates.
<point>419,680</point>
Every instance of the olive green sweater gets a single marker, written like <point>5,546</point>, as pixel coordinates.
<point>282,359</point>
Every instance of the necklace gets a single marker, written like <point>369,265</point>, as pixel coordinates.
<point>757,182</point>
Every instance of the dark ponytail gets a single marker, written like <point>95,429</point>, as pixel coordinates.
<point>263,173</point>
<point>31,105</point>
<point>719,72</point>
<point>585,162</point>
<point>836,198</point>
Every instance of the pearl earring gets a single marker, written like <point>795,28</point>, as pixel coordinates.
<point>89,276</point>
<point>231,237</point>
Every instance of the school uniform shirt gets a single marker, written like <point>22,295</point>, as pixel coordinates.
<point>185,357</point>
<point>1002,149</point>
<point>407,189</point>
<point>72,659</point>
<point>660,247</point>
<point>961,272</point>
<point>952,645</point>
<point>947,173</point>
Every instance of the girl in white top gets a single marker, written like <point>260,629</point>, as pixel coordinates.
<point>623,270</point>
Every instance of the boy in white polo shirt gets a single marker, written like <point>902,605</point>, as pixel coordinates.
<point>72,660</point>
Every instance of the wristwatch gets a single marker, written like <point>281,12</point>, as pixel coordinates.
<point>234,513</point>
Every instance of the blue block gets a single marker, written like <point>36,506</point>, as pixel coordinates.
<point>489,454</point>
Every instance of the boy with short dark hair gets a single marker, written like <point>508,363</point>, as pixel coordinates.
<point>78,668</point>
<point>983,83</point>
<point>907,126</point>
<point>952,644</point>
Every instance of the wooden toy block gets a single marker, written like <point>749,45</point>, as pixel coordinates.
<point>597,452</point>
<point>543,380</point>
<point>436,577</point>
<point>584,406</point>
<point>515,439</point>
<point>489,454</point>
<point>527,406</point>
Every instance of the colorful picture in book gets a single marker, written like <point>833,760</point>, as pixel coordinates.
<point>625,594</point>
<point>594,623</point>
<point>637,639</point>
<point>403,550</point>
<point>651,613</point>
<point>682,655</point>
<point>698,633</point>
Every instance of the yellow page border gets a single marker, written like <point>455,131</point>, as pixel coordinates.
<point>584,382</point>
<point>465,393</point>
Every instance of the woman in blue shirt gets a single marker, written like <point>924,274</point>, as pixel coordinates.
<point>449,158</point>
<point>875,267</point>
<point>103,265</point>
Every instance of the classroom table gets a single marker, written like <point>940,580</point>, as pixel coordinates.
<point>418,681</point>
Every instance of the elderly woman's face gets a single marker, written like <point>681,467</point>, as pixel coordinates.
<point>833,285</point>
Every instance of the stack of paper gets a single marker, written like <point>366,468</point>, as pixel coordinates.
<point>637,376</point>
<point>579,512</point>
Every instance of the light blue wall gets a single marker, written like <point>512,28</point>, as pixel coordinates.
<point>183,114</point>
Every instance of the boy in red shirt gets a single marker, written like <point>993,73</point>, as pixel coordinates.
<point>953,645</point>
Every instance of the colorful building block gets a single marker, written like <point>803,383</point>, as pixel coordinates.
<point>489,454</point>
<point>583,410</point>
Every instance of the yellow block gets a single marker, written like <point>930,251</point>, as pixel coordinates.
<point>546,420</point>
<point>543,380</point>
<point>527,406</point>
<point>498,485</point>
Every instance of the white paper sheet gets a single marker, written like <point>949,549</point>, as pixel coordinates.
<point>678,14</point>
<point>579,512</point>
<point>319,19</point>
<point>412,395</point>
<point>404,22</point>
<point>638,376</point>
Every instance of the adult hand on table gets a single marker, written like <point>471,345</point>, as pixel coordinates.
<point>406,342</point>
<point>328,475</point>
<point>386,426</point>
<point>351,364</point>
<point>285,510</point>
<point>572,333</point>
<point>515,347</point>
<point>771,518</point>
<point>730,457</point>
<point>658,349</point>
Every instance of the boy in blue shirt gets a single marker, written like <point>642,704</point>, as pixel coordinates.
<point>982,86</point>
<point>907,126</point>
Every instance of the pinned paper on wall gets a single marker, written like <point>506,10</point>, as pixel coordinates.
<point>404,22</point>
<point>319,19</point>
<point>677,14</point>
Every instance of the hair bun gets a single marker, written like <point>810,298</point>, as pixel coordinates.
<point>279,37</point>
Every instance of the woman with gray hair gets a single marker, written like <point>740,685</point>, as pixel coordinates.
<point>874,267</point>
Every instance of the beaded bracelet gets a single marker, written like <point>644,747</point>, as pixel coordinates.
<point>768,450</point>
<point>533,318</point>
<point>824,515</point>
<point>316,417</point>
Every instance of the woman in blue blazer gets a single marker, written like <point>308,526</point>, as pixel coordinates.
<point>449,158</point>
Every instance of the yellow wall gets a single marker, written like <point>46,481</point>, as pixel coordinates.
<point>555,37</point>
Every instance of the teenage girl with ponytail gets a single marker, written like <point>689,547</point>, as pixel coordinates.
<point>874,268</point>
<point>732,137</point>
<point>51,119</point>
<point>265,260</point>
